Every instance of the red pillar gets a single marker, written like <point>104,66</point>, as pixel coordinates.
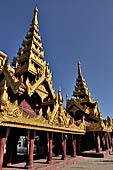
<point>50,147</point>
<point>103,142</point>
<point>49,138</point>
<point>73,146</point>
<point>107,143</point>
<point>63,147</point>
<point>109,138</point>
<point>31,149</point>
<point>98,142</point>
<point>79,145</point>
<point>86,142</point>
<point>2,144</point>
<point>10,151</point>
<point>110,143</point>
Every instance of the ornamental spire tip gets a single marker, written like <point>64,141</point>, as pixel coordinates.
<point>79,69</point>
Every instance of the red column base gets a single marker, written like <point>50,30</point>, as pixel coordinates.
<point>63,158</point>
<point>0,167</point>
<point>29,166</point>
<point>9,164</point>
<point>49,162</point>
<point>110,151</point>
<point>73,156</point>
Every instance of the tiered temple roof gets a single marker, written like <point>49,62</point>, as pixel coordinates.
<point>82,105</point>
<point>81,91</point>
<point>29,58</point>
<point>27,98</point>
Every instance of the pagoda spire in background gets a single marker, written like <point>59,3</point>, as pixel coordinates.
<point>35,20</point>
<point>81,91</point>
<point>79,69</point>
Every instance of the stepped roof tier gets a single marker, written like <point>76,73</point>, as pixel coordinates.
<point>29,58</point>
<point>81,91</point>
<point>27,98</point>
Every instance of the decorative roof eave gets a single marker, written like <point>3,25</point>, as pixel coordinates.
<point>12,116</point>
<point>94,117</point>
<point>40,126</point>
<point>99,126</point>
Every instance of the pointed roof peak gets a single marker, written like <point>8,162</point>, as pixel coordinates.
<point>81,90</point>
<point>79,68</point>
<point>36,8</point>
<point>35,20</point>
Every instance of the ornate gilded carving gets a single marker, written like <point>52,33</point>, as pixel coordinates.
<point>31,88</point>
<point>3,57</point>
<point>42,92</point>
<point>12,81</point>
<point>11,110</point>
<point>3,95</point>
<point>100,126</point>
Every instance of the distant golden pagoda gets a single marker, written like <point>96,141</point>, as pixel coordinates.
<point>81,91</point>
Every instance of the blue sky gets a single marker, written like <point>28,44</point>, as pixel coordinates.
<point>70,29</point>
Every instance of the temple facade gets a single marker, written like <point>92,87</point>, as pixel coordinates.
<point>30,108</point>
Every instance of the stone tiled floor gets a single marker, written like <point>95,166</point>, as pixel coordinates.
<point>42,165</point>
<point>77,163</point>
<point>92,164</point>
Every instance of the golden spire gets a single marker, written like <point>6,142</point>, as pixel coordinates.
<point>79,69</point>
<point>35,20</point>
<point>31,55</point>
<point>81,90</point>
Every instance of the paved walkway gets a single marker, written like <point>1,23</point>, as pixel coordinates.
<point>92,164</point>
<point>42,164</point>
<point>78,163</point>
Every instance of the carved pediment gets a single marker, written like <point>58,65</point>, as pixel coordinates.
<point>10,110</point>
<point>42,92</point>
<point>32,88</point>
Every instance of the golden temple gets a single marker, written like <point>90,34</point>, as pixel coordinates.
<point>29,106</point>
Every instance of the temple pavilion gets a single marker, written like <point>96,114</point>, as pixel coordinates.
<point>83,106</point>
<point>29,107</point>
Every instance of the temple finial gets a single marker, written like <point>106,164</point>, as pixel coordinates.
<point>79,69</point>
<point>35,20</point>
